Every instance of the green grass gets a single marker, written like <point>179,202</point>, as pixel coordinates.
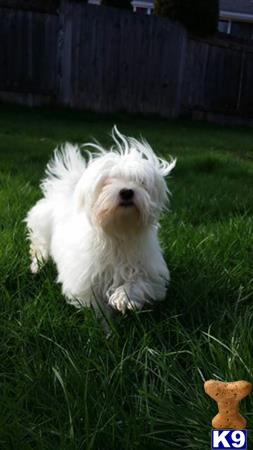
<point>63,384</point>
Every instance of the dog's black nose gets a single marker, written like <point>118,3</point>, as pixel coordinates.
<point>126,194</point>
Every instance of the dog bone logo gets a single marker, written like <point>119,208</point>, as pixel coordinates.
<point>228,396</point>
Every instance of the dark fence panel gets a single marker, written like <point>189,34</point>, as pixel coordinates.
<point>217,77</point>
<point>103,59</point>
<point>28,43</point>
<point>246,89</point>
<point>222,79</point>
<point>113,61</point>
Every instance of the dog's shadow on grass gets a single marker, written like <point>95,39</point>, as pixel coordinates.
<point>194,304</point>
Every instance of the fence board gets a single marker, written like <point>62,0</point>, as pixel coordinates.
<point>106,60</point>
<point>246,99</point>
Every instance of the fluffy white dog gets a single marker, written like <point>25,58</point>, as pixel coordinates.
<point>98,221</point>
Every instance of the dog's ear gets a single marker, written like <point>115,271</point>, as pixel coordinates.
<point>165,167</point>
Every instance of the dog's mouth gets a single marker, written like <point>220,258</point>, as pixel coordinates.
<point>126,204</point>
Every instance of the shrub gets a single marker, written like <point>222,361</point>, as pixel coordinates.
<point>200,17</point>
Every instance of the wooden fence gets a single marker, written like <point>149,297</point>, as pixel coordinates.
<point>103,59</point>
<point>218,76</point>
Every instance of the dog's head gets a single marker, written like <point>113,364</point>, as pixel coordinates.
<point>123,190</point>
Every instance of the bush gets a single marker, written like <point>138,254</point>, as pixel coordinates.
<point>123,4</point>
<point>200,17</point>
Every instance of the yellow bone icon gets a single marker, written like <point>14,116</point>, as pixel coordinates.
<point>228,396</point>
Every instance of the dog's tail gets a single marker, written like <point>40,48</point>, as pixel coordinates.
<point>64,170</point>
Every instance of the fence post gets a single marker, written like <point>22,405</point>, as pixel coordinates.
<point>239,96</point>
<point>64,53</point>
<point>181,69</point>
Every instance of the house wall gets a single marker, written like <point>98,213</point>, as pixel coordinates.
<point>108,60</point>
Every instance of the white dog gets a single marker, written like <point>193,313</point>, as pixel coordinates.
<point>98,221</point>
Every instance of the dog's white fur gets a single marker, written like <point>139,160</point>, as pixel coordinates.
<point>106,251</point>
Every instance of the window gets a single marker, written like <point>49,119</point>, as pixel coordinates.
<point>242,30</point>
<point>141,10</point>
<point>223,26</point>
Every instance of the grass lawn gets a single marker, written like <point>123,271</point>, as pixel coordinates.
<point>63,385</point>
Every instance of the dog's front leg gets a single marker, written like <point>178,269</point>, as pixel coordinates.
<point>131,295</point>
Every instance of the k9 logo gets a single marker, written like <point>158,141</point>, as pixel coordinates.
<point>229,439</point>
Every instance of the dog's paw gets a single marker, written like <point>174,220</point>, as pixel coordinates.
<point>38,257</point>
<point>120,301</point>
<point>34,267</point>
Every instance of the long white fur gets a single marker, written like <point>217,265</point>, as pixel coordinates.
<point>104,253</point>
